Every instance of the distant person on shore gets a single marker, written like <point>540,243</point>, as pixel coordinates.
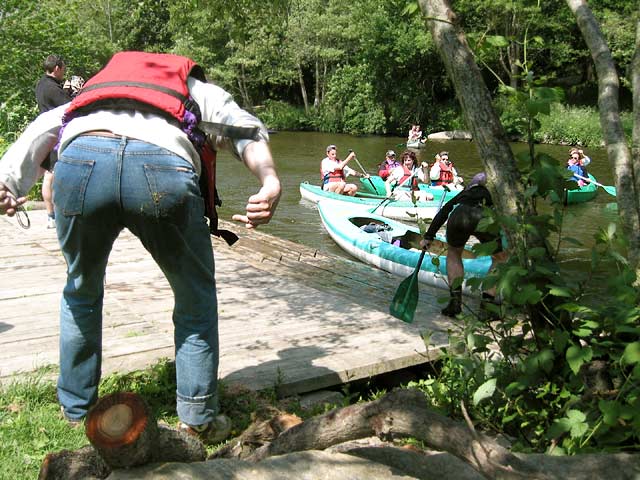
<point>408,174</point>
<point>335,171</point>
<point>443,172</point>
<point>575,165</point>
<point>388,164</point>
<point>49,95</point>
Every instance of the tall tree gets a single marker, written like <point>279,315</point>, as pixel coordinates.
<point>625,167</point>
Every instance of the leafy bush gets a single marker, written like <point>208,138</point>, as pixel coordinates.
<point>350,105</point>
<point>283,116</point>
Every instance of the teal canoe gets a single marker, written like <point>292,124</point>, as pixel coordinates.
<point>399,210</point>
<point>375,185</point>
<point>582,194</point>
<point>393,246</point>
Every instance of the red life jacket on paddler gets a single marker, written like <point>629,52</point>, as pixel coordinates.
<point>157,83</point>
<point>336,176</point>
<point>414,181</point>
<point>446,174</point>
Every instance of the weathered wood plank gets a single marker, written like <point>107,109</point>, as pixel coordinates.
<point>290,316</point>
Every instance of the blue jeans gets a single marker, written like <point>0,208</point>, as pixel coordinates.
<point>101,186</point>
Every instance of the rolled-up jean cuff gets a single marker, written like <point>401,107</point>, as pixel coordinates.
<point>197,410</point>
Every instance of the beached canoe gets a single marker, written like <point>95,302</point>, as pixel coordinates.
<point>400,210</point>
<point>394,246</point>
<point>582,194</point>
<point>375,185</point>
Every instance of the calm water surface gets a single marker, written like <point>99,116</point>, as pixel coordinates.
<point>298,157</point>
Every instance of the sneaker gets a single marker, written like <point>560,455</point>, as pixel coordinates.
<point>453,308</point>
<point>51,222</point>
<point>73,422</point>
<point>210,433</point>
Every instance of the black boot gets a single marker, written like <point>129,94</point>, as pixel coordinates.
<point>455,303</point>
<point>489,308</point>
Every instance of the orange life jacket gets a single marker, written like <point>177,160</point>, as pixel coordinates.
<point>446,173</point>
<point>336,176</point>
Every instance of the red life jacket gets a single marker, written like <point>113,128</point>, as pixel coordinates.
<point>446,174</point>
<point>336,176</point>
<point>406,175</point>
<point>157,83</point>
<point>154,82</point>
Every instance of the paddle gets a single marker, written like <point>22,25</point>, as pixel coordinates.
<point>405,301</point>
<point>607,188</point>
<point>364,171</point>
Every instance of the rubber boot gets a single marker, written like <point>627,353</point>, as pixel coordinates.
<point>455,303</point>
<point>488,306</point>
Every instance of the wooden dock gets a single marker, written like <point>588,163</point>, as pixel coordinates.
<point>290,316</point>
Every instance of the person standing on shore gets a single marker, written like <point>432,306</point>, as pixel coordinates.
<point>51,94</point>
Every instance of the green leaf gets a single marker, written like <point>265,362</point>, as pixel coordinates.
<point>631,353</point>
<point>484,391</point>
<point>576,356</point>
<point>497,41</point>
<point>610,412</point>
<point>577,423</point>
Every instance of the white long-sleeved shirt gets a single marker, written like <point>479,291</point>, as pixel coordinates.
<point>20,165</point>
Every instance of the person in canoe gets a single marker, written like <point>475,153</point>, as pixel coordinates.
<point>576,166</point>
<point>408,174</point>
<point>443,172</point>
<point>334,172</point>
<point>462,214</point>
<point>388,164</point>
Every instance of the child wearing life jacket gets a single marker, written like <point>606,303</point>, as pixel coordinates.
<point>388,164</point>
<point>335,171</point>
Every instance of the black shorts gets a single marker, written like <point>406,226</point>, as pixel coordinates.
<point>463,222</point>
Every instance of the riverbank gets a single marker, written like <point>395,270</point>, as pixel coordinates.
<point>566,125</point>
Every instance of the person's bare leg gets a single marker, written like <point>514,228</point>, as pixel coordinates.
<point>350,189</point>
<point>47,196</point>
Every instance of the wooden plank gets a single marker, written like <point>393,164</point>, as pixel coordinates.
<point>290,316</point>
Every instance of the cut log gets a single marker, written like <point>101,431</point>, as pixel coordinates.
<point>82,464</point>
<point>121,428</point>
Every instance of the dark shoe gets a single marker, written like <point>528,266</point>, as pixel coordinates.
<point>454,307</point>
<point>210,433</point>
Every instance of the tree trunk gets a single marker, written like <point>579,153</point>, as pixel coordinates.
<point>244,91</point>
<point>475,100</point>
<point>626,172</point>
<point>316,99</point>
<point>121,428</point>
<point>303,89</point>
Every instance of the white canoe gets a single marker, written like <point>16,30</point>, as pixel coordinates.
<point>399,210</point>
<point>395,247</point>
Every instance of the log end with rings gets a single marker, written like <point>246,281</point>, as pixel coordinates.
<point>120,426</point>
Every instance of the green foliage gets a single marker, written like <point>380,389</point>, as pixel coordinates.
<point>349,104</point>
<point>283,116</point>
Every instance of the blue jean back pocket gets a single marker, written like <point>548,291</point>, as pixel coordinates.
<point>70,184</point>
<point>173,190</point>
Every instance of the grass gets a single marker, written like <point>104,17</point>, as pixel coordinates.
<point>31,424</point>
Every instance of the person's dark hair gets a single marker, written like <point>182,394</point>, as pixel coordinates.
<point>409,154</point>
<point>53,61</point>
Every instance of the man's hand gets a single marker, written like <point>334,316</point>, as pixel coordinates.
<point>8,202</point>
<point>262,205</point>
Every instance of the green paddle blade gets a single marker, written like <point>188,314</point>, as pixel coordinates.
<point>404,303</point>
<point>610,190</point>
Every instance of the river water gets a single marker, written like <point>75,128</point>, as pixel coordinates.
<point>298,156</point>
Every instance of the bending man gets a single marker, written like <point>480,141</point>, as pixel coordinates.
<point>129,157</point>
